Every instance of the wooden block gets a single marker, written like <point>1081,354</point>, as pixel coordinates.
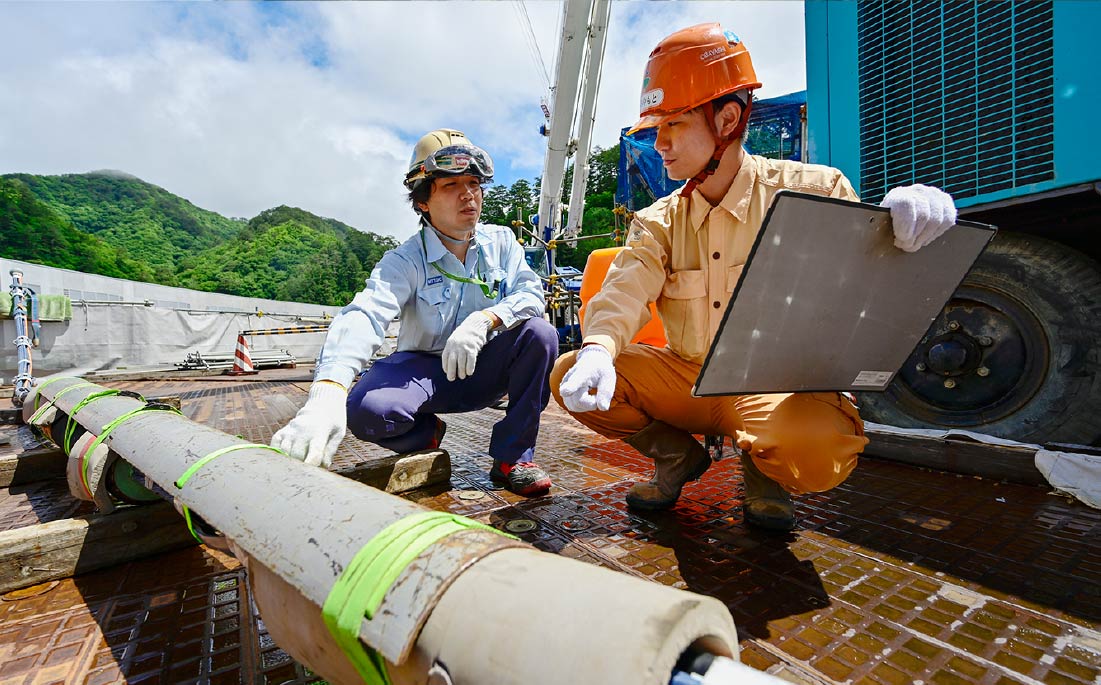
<point>62,549</point>
<point>402,473</point>
<point>34,465</point>
<point>150,375</point>
<point>1012,463</point>
<point>1071,447</point>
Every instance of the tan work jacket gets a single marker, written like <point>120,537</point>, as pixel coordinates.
<point>686,256</point>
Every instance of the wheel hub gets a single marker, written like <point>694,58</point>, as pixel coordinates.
<point>951,355</point>
<point>976,363</point>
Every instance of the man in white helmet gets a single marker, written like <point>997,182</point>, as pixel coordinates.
<point>472,331</point>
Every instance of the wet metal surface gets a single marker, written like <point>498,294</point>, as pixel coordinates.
<point>40,502</point>
<point>899,575</point>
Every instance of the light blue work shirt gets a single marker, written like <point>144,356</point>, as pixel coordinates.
<point>430,304</point>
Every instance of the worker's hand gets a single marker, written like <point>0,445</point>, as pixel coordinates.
<point>590,383</point>
<point>317,429</point>
<point>920,214</point>
<point>460,353</point>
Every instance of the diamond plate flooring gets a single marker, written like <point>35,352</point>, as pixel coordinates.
<point>900,575</point>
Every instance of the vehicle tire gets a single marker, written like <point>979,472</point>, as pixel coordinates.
<point>1015,353</point>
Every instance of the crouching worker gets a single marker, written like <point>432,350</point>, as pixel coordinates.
<point>471,331</point>
<point>685,253</point>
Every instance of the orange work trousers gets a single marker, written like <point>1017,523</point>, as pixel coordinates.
<point>806,442</point>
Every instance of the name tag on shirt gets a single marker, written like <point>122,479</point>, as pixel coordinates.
<point>434,280</point>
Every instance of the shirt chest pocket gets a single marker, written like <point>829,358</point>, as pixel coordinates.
<point>433,310</point>
<point>683,309</point>
<point>496,280</point>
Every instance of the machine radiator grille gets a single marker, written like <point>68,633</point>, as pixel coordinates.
<point>955,94</point>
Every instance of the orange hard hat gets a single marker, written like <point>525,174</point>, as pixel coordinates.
<point>691,67</point>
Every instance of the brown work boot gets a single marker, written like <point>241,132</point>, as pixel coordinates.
<point>678,458</point>
<point>767,504</point>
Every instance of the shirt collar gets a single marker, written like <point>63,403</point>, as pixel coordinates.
<point>435,249</point>
<point>736,200</point>
<point>481,238</point>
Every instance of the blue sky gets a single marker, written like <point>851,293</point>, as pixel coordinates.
<point>240,106</point>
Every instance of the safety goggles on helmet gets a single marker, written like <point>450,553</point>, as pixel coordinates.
<point>457,160</point>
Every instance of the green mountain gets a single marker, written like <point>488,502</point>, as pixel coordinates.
<point>32,231</point>
<point>114,224</point>
<point>111,223</point>
<point>288,254</point>
<point>147,221</point>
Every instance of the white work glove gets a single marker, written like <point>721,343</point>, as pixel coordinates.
<point>317,429</point>
<point>920,214</point>
<point>593,370</point>
<point>460,353</point>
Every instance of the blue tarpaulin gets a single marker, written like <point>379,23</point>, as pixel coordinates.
<point>775,131</point>
<point>641,178</point>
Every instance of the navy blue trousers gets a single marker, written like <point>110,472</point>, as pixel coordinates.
<point>396,401</point>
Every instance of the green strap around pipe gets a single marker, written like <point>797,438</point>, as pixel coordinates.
<point>40,411</point>
<point>360,589</point>
<point>46,382</point>
<point>70,425</point>
<point>203,461</point>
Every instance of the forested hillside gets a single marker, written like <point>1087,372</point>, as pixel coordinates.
<point>288,254</point>
<point>150,223</point>
<point>33,232</point>
<point>113,224</point>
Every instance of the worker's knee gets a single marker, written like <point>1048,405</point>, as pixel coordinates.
<point>539,337</point>
<point>801,470</point>
<point>374,413</point>
<point>811,443</point>
<point>561,366</point>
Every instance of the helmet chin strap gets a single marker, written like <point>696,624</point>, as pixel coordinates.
<point>721,144</point>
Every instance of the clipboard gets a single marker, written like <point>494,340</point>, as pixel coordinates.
<point>826,302</point>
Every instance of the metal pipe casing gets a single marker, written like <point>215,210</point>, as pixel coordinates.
<point>304,523</point>
<point>449,612</point>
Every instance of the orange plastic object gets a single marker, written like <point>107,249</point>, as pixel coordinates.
<point>596,268</point>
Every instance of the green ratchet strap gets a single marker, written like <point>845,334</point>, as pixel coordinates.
<point>203,461</point>
<point>359,590</point>
<point>51,380</point>
<point>70,425</point>
<point>41,411</point>
<point>103,436</point>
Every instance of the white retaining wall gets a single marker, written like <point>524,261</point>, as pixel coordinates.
<point>116,328</point>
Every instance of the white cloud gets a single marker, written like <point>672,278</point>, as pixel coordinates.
<point>241,107</point>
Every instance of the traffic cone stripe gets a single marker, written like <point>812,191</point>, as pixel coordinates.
<point>242,362</point>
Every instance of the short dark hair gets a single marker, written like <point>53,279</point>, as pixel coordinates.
<point>420,194</point>
<point>741,98</point>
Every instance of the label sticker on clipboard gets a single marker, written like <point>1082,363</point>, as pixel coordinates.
<point>874,379</point>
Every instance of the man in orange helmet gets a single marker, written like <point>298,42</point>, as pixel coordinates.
<point>685,253</point>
